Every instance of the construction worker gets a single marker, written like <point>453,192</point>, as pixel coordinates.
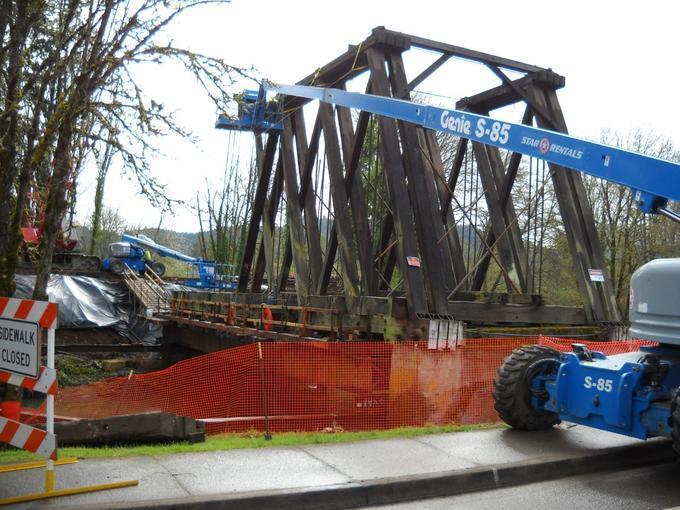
<point>147,258</point>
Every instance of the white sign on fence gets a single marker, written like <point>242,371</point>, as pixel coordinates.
<point>19,347</point>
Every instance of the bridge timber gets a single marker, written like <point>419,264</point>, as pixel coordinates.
<point>425,234</point>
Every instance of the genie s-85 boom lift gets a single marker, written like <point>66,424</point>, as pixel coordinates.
<point>132,251</point>
<point>635,394</point>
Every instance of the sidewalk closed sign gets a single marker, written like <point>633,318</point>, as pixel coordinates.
<point>19,347</point>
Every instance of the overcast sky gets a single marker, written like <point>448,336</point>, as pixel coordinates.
<point>619,59</point>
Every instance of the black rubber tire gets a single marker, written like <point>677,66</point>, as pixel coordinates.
<point>512,393</point>
<point>158,268</point>
<point>117,266</point>
<point>94,263</point>
<point>675,422</point>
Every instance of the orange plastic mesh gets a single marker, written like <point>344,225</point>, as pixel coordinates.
<point>295,386</point>
<point>609,348</point>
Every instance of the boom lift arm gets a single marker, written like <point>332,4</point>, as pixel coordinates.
<point>635,394</point>
<point>163,251</point>
<point>653,181</point>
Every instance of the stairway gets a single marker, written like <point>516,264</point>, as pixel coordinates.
<point>148,290</point>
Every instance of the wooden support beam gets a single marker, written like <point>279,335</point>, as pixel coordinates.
<point>300,253</point>
<point>483,260</point>
<point>516,314</point>
<point>579,224</point>
<point>515,159</point>
<point>427,72</point>
<point>343,222</point>
<point>260,261</point>
<point>467,54</point>
<point>507,208</point>
<point>153,427</point>
<point>306,189</point>
<point>258,206</point>
<point>436,260</point>
<point>352,144</point>
<point>505,95</point>
<point>390,264</point>
<point>489,237</point>
<point>328,262</point>
<point>307,186</point>
<point>285,262</point>
<point>395,176</point>
<point>531,104</point>
<point>265,255</point>
<point>305,159</point>
<point>512,262</point>
<point>385,254</point>
<point>445,193</point>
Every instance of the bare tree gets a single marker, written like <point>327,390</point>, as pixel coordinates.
<point>226,212</point>
<point>629,237</point>
<point>111,226</point>
<point>69,91</point>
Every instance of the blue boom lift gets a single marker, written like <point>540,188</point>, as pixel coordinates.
<point>255,113</point>
<point>636,394</point>
<point>131,251</point>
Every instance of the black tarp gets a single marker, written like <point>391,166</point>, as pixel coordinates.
<point>86,302</point>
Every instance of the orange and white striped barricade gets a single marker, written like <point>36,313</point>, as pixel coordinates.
<point>23,323</point>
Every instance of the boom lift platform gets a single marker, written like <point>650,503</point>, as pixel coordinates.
<point>635,394</point>
<point>254,114</point>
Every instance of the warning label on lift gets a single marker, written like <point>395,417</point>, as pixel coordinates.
<point>19,347</point>
<point>596,275</point>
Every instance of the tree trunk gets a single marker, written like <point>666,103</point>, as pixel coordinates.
<point>8,143</point>
<point>99,198</point>
<point>55,207</point>
<point>15,237</point>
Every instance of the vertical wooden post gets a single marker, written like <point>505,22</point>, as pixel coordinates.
<point>343,222</point>
<point>300,253</point>
<point>258,206</point>
<point>395,176</point>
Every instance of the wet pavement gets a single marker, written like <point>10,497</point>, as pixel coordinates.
<point>209,473</point>
<point>648,488</point>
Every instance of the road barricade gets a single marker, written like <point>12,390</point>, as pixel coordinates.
<point>23,326</point>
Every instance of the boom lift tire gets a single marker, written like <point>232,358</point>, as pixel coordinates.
<point>512,387</point>
<point>675,421</point>
<point>158,268</point>
<point>117,266</point>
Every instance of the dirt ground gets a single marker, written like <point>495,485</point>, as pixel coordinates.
<point>77,367</point>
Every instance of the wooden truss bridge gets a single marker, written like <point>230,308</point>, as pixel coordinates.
<point>385,227</point>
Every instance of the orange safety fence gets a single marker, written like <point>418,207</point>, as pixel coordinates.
<point>310,386</point>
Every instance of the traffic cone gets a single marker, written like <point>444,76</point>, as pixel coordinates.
<point>11,409</point>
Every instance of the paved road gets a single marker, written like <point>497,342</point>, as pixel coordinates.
<point>654,487</point>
